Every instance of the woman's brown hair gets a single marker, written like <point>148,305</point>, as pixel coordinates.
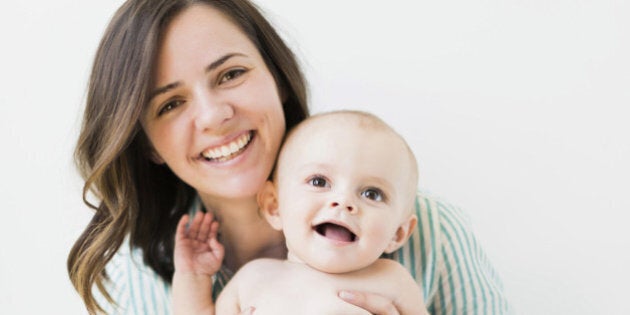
<point>130,194</point>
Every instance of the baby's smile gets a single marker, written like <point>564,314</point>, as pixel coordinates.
<point>335,232</point>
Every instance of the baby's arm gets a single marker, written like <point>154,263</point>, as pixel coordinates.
<point>409,297</point>
<point>251,281</point>
<point>227,302</point>
<point>198,256</point>
<point>385,287</point>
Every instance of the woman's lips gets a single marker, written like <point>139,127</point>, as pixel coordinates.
<point>229,150</point>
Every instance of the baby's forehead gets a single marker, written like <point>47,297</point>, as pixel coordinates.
<point>339,124</point>
<point>348,132</point>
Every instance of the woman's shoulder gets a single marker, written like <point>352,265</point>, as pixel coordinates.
<point>422,254</point>
<point>134,286</point>
<point>440,223</point>
<point>447,260</point>
<point>437,216</point>
<point>128,260</point>
<point>429,202</point>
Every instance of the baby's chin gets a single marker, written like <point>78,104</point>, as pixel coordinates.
<point>333,262</point>
<point>337,267</point>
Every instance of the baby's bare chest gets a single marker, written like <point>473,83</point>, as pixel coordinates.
<point>298,293</point>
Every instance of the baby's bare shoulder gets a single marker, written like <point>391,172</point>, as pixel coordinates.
<point>388,266</point>
<point>392,272</point>
<point>259,265</point>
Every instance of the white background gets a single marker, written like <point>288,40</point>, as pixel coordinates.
<point>517,111</point>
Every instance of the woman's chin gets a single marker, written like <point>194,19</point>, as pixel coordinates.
<point>234,188</point>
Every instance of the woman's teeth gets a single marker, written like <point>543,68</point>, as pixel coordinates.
<point>226,151</point>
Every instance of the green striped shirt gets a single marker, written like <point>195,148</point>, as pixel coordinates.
<point>443,256</point>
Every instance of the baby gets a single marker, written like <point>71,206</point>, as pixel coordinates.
<point>343,194</point>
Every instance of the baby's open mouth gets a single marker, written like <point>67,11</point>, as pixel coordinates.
<point>335,232</point>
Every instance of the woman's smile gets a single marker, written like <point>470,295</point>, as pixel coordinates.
<point>228,151</point>
<point>220,125</point>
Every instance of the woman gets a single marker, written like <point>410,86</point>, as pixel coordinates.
<point>187,106</point>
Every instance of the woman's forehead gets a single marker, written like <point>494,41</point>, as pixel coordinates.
<point>202,34</point>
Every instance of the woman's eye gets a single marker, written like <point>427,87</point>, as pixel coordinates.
<point>231,75</point>
<point>318,181</point>
<point>168,106</point>
<point>373,194</point>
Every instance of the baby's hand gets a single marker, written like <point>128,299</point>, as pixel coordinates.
<point>197,249</point>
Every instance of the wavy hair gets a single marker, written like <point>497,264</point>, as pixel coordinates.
<point>129,194</point>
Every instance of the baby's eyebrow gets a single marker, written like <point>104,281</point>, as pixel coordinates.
<point>381,182</point>
<point>316,167</point>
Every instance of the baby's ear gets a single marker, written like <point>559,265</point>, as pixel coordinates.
<point>268,203</point>
<point>402,233</point>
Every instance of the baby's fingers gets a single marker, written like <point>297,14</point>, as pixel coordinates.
<point>180,233</point>
<point>195,225</point>
<point>214,229</point>
<point>248,311</point>
<point>217,249</point>
<point>205,230</point>
<point>371,302</point>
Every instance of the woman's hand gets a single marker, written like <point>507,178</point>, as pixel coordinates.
<point>373,303</point>
<point>197,249</point>
<point>380,305</point>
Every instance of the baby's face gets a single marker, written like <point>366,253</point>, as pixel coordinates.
<point>343,191</point>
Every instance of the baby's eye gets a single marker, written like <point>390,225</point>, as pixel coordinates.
<point>318,181</point>
<point>373,194</point>
<point>231,75</point>
<point>168,106</point>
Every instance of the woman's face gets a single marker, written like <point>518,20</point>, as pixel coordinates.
<point>215,117</point>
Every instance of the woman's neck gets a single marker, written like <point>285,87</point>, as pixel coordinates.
<point>244,232</point>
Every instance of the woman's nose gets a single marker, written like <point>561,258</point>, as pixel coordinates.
<point>211,112</point>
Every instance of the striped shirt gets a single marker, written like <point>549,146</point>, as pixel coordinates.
<point>442,255</point>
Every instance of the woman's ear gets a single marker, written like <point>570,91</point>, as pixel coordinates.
<point>149,150</point>
<point>282,92</point>
<point>155,157</point>
<point>268,204</point>
<point>402,233</point>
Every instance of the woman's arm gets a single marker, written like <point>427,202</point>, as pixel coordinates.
<point>457,276</point>
<point>447,262</point>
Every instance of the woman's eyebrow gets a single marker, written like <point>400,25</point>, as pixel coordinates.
<point>163,89</point>
<point>212,66</point>
<point>221,60</point>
